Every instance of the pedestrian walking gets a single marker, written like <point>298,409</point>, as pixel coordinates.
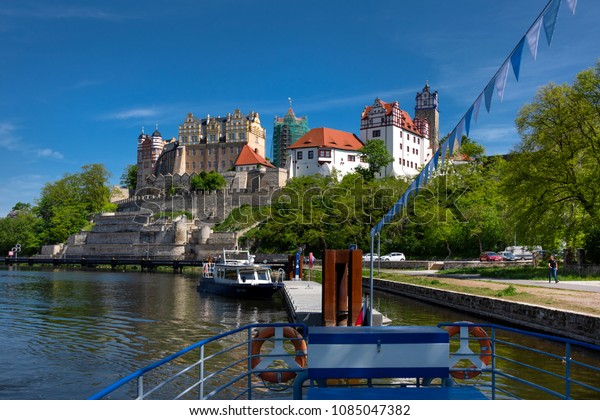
<point>552,270</point>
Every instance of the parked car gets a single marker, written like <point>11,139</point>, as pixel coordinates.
<point>394,256</point>
<point>490,256</point>
<point>367,257</point>
<point>507,256</point>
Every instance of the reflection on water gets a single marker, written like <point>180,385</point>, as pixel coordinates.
<point>68,334</point>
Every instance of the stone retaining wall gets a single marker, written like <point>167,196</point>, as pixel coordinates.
<point>548,320</point>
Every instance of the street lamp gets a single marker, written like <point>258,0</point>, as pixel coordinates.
<point>15,250</point>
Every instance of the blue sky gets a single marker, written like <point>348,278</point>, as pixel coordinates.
<point>79,79</point>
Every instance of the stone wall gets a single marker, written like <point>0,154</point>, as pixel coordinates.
<point>548,320</point>
<point>209,207</point>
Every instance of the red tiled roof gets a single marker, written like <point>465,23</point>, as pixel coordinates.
<point>250,157</point>
<point>388,109</point>
<point>330,138</point>
<point>408,124</point>
<point>406,121</point>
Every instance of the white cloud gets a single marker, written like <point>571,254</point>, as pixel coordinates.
<point>10,141</point>
<point>133,113</point>
<point>61,12</point>
<point>49,153</point>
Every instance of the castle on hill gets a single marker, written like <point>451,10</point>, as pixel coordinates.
<point>235,146</point>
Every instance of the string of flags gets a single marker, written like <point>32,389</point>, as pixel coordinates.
<point>546,20</point>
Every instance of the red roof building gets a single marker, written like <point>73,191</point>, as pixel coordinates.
<point>323,150</point>
<point>249,159</point>
<point>406,140</point>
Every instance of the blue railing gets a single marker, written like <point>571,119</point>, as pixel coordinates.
<point>220,366</point>
<point>503,362</point>
<point>565,372</point>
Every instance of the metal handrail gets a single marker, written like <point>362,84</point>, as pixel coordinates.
<point>239,367</point>
<point>567,377</point>
<point>138,376</point>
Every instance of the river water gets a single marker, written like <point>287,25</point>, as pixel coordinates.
<point>68,334</point>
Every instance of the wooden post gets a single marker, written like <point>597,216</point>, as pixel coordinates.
<point>329,301</point>
<point>342,287</point>
<point>355,289</point>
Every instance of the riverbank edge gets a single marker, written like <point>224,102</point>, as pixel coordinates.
<point>573,325</point>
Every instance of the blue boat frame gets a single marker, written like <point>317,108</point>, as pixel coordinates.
<point>236,379</point>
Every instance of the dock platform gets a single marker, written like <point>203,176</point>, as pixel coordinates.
<point>303,303</point>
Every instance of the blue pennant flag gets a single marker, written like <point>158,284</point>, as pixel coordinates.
<point>387,219</point>
<point>398,206</point>
<point>468,116</point>
<point>444,150</point>
<point>477,106</point>
<point>515,58</point>
<point>435,159</point>
<point>459,131</point>
<point>550,19</point>
<point>451,140</point>
<point>488,93</point>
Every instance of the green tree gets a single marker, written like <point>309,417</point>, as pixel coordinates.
<point>129,177</point>
<point>375,154</point>
<point>552,176</point>
<point>21,226</point>
<point>67,205</point>
<point>460,212</point>
<point>211,181</point>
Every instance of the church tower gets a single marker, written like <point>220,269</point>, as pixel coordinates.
<point>426,108</point>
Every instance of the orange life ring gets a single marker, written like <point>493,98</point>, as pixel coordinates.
<point>299,345</point>
<point>485,351</point>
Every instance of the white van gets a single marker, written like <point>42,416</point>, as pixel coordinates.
<point>523,252</point>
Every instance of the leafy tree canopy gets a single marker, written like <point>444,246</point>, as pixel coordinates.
<point>129,177</point>
<point>552,176</point>
<point>210,181</point>
<point>375,154</point>
<point>67,205</point>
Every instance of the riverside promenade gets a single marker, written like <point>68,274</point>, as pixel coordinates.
<point>568,308</point>
<point>584,286</point>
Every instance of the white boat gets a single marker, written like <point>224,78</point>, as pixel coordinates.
<point>236,275</point>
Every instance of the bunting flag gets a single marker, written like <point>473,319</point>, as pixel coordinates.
<point>444,150</point>
<point>425,173</point>
<point>477,106</point>
<point>451,140</point>
<point>501,80</point>
<point>550,19</point>
<point>533,37</point>
<point>488,92</point>
<point>459,131</point>
<point>436,157</point>
<point>467,119</point>
<point>515,58</point>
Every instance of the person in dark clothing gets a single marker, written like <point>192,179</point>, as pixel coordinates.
<point>552,270</point>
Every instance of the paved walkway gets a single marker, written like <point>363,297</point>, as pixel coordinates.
<point>586,286</point>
